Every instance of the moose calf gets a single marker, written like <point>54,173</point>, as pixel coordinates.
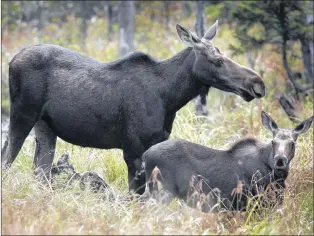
<point>226,178</point>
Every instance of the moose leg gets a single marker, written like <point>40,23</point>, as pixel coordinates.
<point>168,125</point>
<point>135,145</point>
<point>45,149</point>
<point>19,128</point>
<point>136,176</point>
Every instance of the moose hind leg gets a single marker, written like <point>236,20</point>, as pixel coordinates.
<point>45,149</point>
<point>19,128</point>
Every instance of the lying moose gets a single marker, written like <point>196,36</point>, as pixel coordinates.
<point>229,177</point>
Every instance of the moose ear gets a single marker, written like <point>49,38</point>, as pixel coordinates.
<point>187,36</point>
<point>269,123</point>
<point>303,127</point>
<point>211,32</point>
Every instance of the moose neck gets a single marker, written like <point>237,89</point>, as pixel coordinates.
<point>179,84</point>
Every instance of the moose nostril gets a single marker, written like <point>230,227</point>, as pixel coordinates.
<point>280,163</point>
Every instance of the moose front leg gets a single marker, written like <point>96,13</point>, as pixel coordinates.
<point>133,158</point>
<point>168,125</point>
<point>136,175</point>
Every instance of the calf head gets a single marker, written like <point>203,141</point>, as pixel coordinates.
<point>215,69</point>
<point>284,140</point>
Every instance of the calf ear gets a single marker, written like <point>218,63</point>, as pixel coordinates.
<point>211,32</point>
<point>303,127</point>
<point>187,36</point>
<point>269,123</point>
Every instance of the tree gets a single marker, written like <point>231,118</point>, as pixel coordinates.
<point>111,12</point>
<point>280,21</point>
<point>167,14</point>
<point>186,8</point>
<point>201,100</point>
<point>200,15</point>
<point>126,21</point>
<point>306,40</point>
<point>84,16</point>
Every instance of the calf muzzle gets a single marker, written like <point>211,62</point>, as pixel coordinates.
<point>281,163</point>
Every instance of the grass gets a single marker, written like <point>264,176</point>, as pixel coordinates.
<point>30,208</point>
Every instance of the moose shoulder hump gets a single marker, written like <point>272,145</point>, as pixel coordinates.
<point>244,147</point>
<point>136,58</point>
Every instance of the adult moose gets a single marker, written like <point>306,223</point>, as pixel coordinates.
<point>246,169</point>
<point>128,104</point>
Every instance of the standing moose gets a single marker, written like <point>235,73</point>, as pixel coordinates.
<point>128,104</point>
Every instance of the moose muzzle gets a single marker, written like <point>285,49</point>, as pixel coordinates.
<point>281,162</point>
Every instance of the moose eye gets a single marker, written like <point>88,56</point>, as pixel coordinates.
<point>219,62</point>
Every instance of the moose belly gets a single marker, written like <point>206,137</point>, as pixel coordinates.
<point>84,125</point>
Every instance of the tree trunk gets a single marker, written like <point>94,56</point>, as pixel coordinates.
<point>309,20</point>
<point>307,60</point>
<point>40,25</point>
<point>110,20</point>
<point>284,35</point>
<point>126,27</point>
<point>167,14</point>
<point>287,68</point>
<point>83,11</point>
<point>308,50</point>
<point>200,15</point>
<point>250,59</point>
<point>201,100</point>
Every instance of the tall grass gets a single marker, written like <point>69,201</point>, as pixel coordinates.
<point>30,208</point>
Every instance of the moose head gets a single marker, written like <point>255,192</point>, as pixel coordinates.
<point>217,70</point>
<point>284,141</point>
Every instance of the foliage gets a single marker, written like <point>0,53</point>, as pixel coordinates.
<point>214,11</point>
<point>273,22</point>
<point>274,17</point>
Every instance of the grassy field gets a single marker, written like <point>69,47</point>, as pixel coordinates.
<point>29,208</point>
